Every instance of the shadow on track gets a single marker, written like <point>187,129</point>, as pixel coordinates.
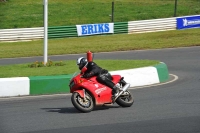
<point>73,110</point>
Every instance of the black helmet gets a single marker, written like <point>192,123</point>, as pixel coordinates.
<point>81,62</point>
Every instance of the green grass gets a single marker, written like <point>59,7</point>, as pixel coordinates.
<point>29,13</point>
<point>22,70</point>
<point>104,43</point>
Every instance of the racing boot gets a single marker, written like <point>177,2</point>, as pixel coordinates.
<point>115,90</point>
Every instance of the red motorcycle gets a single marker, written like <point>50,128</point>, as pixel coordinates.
<point>87,93</point>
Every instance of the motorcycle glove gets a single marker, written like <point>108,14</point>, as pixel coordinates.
<point>87,75</point>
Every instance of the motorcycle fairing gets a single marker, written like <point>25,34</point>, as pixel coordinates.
<point>102,94</point>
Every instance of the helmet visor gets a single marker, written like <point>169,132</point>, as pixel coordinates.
<point>80,66</point>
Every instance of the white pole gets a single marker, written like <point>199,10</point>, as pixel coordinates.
<point>45,30</point>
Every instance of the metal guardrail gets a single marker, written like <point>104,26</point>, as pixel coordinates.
<point>62,32</point>
<point>28,34</point>
<point>153,25</point>
<point>120,27</point>
<point>21,34</point>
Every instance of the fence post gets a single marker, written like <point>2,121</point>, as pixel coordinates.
<point>45,30</point>
<point>175,8</point>
<point>112,11</point>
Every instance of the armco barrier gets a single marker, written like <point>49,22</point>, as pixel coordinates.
<point>130,27</point>
<point>49,84</point>
<point>39,85</point>
<point>120,27</point>
<point>21,34</point>
<point>153,25</point>
<point>62,32</point>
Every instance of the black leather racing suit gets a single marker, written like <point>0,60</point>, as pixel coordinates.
<point>103,76</point>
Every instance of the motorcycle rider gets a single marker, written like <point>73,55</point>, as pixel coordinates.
<point>103,76</point>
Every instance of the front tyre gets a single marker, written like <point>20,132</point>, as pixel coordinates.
<point>81,104</point>
<point>125,100</point>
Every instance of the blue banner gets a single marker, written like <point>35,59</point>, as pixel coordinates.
<point>188,22</point>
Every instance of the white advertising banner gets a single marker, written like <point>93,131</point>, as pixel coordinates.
<point>93,29</point>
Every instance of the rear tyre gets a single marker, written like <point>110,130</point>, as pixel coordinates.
<point>125,100</point>
<point>82,105</point>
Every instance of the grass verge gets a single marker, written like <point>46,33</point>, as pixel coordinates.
<point>104,43</point>
<point>22,70</point>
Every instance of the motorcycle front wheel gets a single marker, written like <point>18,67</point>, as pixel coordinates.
<point>81,104</point>
<point>125,100</point>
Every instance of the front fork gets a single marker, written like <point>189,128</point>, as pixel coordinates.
<point>84,97</point>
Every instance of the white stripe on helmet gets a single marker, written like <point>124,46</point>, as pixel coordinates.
<point>79,60</point>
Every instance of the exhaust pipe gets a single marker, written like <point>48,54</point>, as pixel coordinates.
<point>123,90</point>
<point>126,87</point>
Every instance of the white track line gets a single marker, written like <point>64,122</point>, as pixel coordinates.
<point>175,78</point>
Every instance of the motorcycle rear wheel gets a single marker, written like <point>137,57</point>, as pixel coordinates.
<point>82,105</point>
<point>125,100</point>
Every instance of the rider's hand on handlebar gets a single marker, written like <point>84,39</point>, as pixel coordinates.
<point>87,75</point>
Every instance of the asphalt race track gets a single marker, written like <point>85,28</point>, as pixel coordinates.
<point>167,108</point>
